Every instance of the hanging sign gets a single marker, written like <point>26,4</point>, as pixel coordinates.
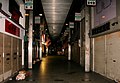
<point>37,19</point>
<point>29,4</point>
<point>71,24</point>
<point>77,16</point>
<point>91,2</point>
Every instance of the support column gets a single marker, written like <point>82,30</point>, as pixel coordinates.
<point>30,40</point>
<point>69,52</point>
<point>41,31</point>
<point>22,21</point>
<point>69,45</point>
<point>40,43</point>
<point>26,40</point>
<point>87,40</point>
<point>92,40</point>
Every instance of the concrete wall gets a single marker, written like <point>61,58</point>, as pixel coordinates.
<point>75,52</point>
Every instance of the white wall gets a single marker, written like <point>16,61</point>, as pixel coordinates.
<point>5,6</point>
<point>22,20</point>
<point>2,23</point>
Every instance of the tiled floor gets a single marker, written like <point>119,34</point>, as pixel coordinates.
<point>56,69</point>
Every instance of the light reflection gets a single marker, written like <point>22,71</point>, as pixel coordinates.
<point>40,52</point>
<point>43,68</point>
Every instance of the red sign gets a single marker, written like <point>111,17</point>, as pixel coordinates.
<point>11,28</point>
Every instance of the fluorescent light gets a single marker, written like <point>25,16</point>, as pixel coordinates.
<point>66,24</point>
<point>103,17</point>
<point>40,14</point>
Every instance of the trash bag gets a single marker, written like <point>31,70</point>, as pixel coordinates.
<point>21,75</point>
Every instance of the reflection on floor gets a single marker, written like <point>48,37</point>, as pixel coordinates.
<point>56,69</point>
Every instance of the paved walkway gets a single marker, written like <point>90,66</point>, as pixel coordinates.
<point>56,69</point>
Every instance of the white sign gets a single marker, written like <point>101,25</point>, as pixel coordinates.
<point>91,2</point>
<point>77,16</point>
<point>71,24</point>
<point>29,4</point>
<point>37,19</point>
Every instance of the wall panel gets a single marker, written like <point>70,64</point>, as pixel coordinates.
<point>7,53</point>
<point>14,55</point>
<point>100,55</point>
<point>113,55</point>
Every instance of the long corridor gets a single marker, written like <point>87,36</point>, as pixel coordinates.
<point>56,69</point>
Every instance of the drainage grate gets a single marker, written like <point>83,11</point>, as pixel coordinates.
<point>86,80</point>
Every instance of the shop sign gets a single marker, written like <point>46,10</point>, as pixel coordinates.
<point>29,4</point>
<point>11,28</point>
<point>37,19</point>
<point>77,16</point>
<point>71,24</point>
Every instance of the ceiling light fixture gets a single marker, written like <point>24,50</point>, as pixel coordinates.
<point>103,17</point>
<point>66,24</point>
<point>26,14</point>
<point>40,14</point>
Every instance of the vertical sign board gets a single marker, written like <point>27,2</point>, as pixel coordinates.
<point>29,4</point>
<point>77,16</point>
<point>37,19</point>
<point>91,2</point>
<point>71,25</point>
